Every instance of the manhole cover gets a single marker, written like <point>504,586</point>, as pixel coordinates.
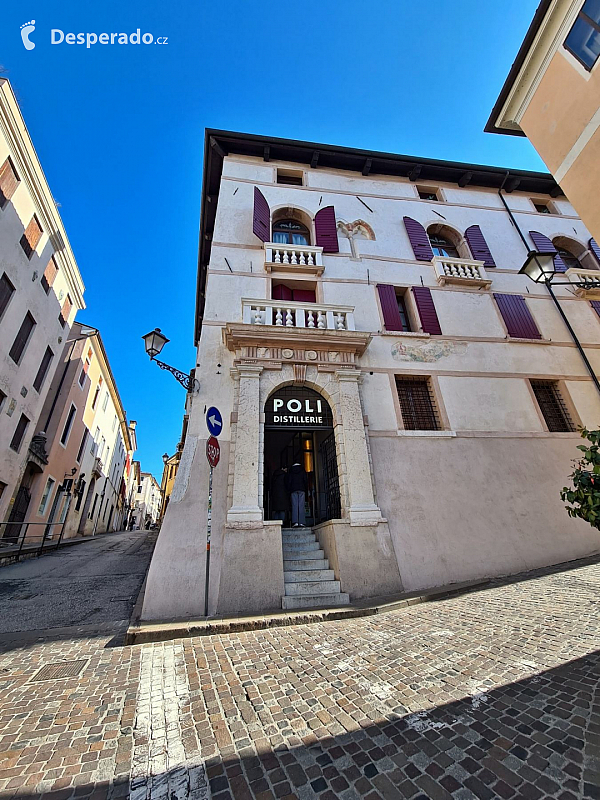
<point>62,669</point>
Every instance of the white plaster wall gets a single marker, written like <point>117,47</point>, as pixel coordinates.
<point>585,398</point>
<point>378,402</point>
<point>467,314</point>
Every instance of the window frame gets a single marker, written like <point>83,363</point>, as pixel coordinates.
<point>434,190</point>
<point>7,198</point>
<point>46,494</point>
<point>437,416</point>
<point>41,373</point>
<point>563,400</point>
<point>290,234</point>
<point>296,177</point>
<point>451,244</point>
<point>7,281</point>
<point>24,240</point>
<point>592,24</point>
<point>16,446</point>
<point>19,359</point>
<point>68,426</point>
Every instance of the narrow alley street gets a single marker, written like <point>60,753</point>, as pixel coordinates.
<point>493,693</point>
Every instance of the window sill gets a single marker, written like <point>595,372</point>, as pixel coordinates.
<point>409,334</point>
<point>429,434</point>
<point>528,341</point>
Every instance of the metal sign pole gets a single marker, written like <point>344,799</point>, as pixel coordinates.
<point>208,532</point>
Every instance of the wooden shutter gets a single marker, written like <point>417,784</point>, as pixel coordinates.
<point>65,311</point>
<point>31,237</point>
<point>389,307</point>
<point>517,316</point>
<point>478,246</point>
<point>282,292</point>
<point>595,304</point>
<point>261,224</point>
<point>427,312</point>
<point>49,275</point>
<point>326,230</point>
<point>8,182</point>
<point>22,337</point>
<point>304,295</point>
<point>418,239</point>
<point>6,292</point>
<point>595,248</point>
<point>544,245</point>
<point>41,373</point>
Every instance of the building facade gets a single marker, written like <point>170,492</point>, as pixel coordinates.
<point>363,313</point>
<point>170,469</point>
<point>147,501</point>
<point>551,96</point>
<point>88,441</point>
<point>40,292</point>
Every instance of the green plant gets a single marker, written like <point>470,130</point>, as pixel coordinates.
<point>584,495</point>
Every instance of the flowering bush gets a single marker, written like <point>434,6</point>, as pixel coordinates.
<point>584,495</point>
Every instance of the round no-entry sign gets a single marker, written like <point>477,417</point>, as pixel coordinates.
<point>213,451</point>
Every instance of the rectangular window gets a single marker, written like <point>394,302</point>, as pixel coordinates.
<point>404,318</point>
<point>2,488</point>
<point>428,193</point>
<point>290,177</point>
<point>31,237</point>
<point>91,514</point>
<point>2,399</point>
<point>65,311</point>
<point>96,394</point>
<point>83,373</point>
<point>417,404</point>
<point>68,425</point>
<point>583,40</point>
<point>41,373</point>
<point>17,439</point>
<point>540,207</point>
<point>22,338</point>
<point>9,180</point>
<point>95,440</point>
<point>82,445</point>
<point>46,496</point>
<point>6,292</point>
<point>552,406</point>
<point>49,275</point>
<point>114,425</point>
<point>517,317</point>
<point>105,401</point>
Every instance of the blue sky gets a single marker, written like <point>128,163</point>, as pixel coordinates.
<point>119,131</point>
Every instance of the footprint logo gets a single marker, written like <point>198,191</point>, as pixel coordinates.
<point>26,29</point>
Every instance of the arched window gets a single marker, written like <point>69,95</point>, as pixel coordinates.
<point>571,260</point>
<point>290,231</point>
<point>442,246</point>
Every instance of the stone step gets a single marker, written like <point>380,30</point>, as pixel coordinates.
<point>290,538</point>
<point>302,575</point>
<point>315,601</point>
<point>297,530</point>
<point>302,555</point>
<point>293,546</point>
<point>313,588</point>
<point>294,564</point>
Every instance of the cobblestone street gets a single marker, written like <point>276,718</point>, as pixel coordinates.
<point>494,693</point>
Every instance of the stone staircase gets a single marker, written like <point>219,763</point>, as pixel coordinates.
<point>309,583</point>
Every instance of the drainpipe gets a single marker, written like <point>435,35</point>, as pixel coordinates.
<point>551,291</point>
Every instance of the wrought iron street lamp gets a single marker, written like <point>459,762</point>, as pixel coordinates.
<point>154,343</point>
<point>541,269</point>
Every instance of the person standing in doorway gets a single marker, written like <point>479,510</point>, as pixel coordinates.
<point>279,497</point>
<point>297,485</point>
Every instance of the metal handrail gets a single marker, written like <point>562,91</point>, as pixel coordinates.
<point>20,538</point>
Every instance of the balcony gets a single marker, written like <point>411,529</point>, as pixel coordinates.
<point>284,314</point>
<point>460,271</point>
<point>293,258</point>
<point>583,276</point>
<point>97,468</point>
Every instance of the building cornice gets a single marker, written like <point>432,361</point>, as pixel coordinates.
<point>31,173</point>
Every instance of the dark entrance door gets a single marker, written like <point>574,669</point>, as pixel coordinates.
<point>298,422</point>
<point>18,514</point>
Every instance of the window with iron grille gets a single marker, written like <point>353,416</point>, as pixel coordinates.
<point>552,406</point>
<point>417,404</point>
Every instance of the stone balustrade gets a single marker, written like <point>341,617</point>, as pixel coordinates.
<point>586,278</point>
<point>282,314</point>
<point>293,258</point>
<point>461,271</point>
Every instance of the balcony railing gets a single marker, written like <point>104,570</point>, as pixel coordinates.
<point>583,276</point>
<point>461,271</point>
<point>293,258</point>
<point>97,467</point>
<point>282,314</point>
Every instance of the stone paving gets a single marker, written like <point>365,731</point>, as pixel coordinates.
<point>491,694</point>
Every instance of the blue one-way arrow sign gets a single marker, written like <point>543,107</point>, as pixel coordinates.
<point>214,421</point>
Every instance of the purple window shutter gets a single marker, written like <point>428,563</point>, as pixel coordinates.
<point>517,316</point>
<point>389,307</point>
<point>544,245</point>
<point>595,304</point>
<point>595,248</point>
<point>478,246</point>
<point>419,240</point>
<point>326,230</point>
<point>429,318</point>
<point>262,216</point>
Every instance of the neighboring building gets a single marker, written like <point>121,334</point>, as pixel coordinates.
<point>40,292</point>
<point>551,95</point>
<point>132,475</point>
<point>170,470</point>
<point>88,443</point>
<point>147,501</point>
<point>363,313</point>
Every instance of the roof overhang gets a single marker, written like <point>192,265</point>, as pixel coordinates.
<point>219,144</point>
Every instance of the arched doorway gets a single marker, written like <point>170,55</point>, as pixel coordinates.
<point>299,428</point>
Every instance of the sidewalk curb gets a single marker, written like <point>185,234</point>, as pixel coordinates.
<point>143,633</point>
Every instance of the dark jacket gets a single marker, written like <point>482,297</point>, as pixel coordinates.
<point>296,480</point>
<point>279,494</point>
